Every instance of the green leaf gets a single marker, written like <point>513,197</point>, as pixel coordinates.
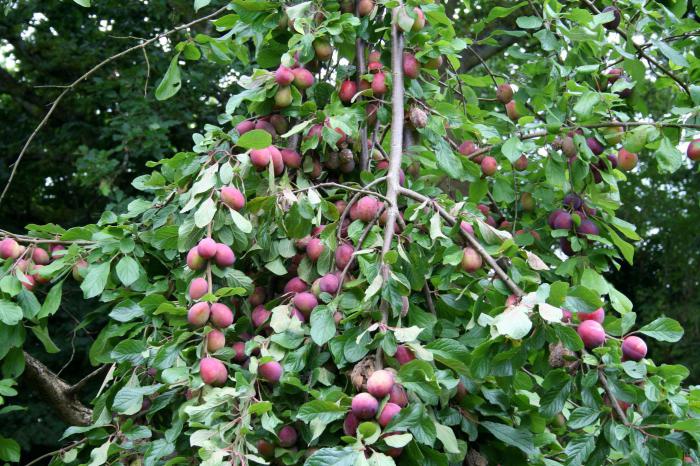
<point>9,450</point>
<point>129,399</point>
<point>83,3</point>
<point>501,12</point>
<point>586,103</point>
<point>325,411</point>
<point>579,449</point>
<point>95,280</point>
<point>42,334</point>
<point>10,313</point>
<point>98,456</point>
<point>126,311</point>
<point>668,157</point>
<point>672,54</point>
<point>171,82</point>
<point>519,438</point>
<point>333,457</point>
<point>198,4</point>
<point>529,22</point>
<point>255,139</point>
<point>205,213</point>
<point>582,417</point>
<point>322,325</point>
<point>242,223</point>
<point>52,301</point>
<point>127,270</point>
<point>663,329</point>
<point>447,437</point>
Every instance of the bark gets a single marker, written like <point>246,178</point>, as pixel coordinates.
<point>56,392</point>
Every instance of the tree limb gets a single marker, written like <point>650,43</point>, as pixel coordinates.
<point>56,392</point>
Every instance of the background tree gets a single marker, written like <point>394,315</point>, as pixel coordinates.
<point>414,286</point>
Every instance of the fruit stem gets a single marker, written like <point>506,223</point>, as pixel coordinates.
<point>616,406</point>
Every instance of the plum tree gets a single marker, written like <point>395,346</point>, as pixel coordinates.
<point>370,312</point>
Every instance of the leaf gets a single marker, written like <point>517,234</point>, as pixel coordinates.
<point>447,437</point>
<point>42,334</point>
<point>672,54</point>
<point>586,103</point>
<point>500,12</point>
<point>513,323</point>
<point>171,82</point>
<point>52,301</point>
<point>398,440</point>
<point>663,329</point>
<point>10,313</point>
<point>668,157</point>
<point>9,450</point>
<point>241,222</point>
<point>98,456</point>
<point>579,449</point>
<point>582,417</point>
<point>199,4</point>
<point>127,270</point>
<point>83,3</point>
<point>205,213</point>
<point>529,22</point>
<point>333,457</point>
<point>322,325</point>
<point>95,280</point>
<point>519,438</point>
<point>126,311</point>
<point>325,411</point>
<point>255,139</point>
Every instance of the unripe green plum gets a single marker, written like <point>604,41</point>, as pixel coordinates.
<point>527,202</point>
<point>279,122</point>
<point>79,270</point>
<point>419,22</point>
<point>283,97</point>
<point>471,260</point>
<point>323,49</point>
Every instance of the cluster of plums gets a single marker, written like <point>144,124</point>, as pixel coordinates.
<point>562,219</point>
<point>592,333</point>
<point>208,249</point>
<point>36,258</point>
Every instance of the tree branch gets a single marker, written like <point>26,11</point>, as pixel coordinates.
<point>56,392</point>
<point>89,73</point>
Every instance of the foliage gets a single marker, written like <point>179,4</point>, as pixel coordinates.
<point>489,356</point>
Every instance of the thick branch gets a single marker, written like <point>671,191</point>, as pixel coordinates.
<point>56,392</point>
<point>361,69</point>
<point>89,73</point>
<point>473,242</point>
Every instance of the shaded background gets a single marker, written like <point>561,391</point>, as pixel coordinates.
<point>102,135</point>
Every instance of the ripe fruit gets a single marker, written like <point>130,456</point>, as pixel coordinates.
<point>434,63</point>
<point>467,228</point>
<point>303,79</point>
<point>504,93</point>
<point>198,314</point>
<point>521,164</point>
<point>215,341</point>
<point>572,201</point>
<point>29,283</point>
<point>364,406</point>
<point>224,256</point>
<point>239,349</point>
<point>40,279</point>
<point>365,209</point>
<point>329,283</point>
<point>221,315</point>
<point>206,248</point>
<point>379,84</point>
<point>587,227</point>
<point>694,150</point>
<point>284,76</point>
<point>40,256</point>
<point>562,221</point>
<point>390,411</point>
<point>398,396</point>
<point>365,7</point>
<point>213,371</point>
<point>626,160</point>
<point>258,296</point>
<point>568,147</point>
<point>633,348</point>
<point>296,285</point>
<point>265,448</point>
<point>615,22</point>
<point>245,126</point>
<point>305,302</point>
<point>276,158</point>
<point>592,333</point>
<point>467,148</point>
<point>379,383</point>
<point>194,260</point>
<point>79,270</point>
<point>266,126</point>
<point>279,123</point>
<point>291,158</point>
<point>198,288</point>
<point>489,166</point>
<point>260,158</point>
<point>271,371</point>
<point>343,254</point>
<point>9,249</point>
<point>595,146</point>
<point>287,436</point>
<point>565,246</point>
<point>347,91</point>
<point>232,197</point>
<point>314,249</point>
<point>512,111</point>
<point>419,22</point>
<point>283,97</point>
<point>404,354</point>
<point>598,315</point>
<point>350,424</point>
<point>471,260</point>
<point>259,316</point>
<point>323,49</point>
<point>411,67</point>
<point>613,75</point>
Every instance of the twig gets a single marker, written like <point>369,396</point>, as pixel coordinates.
<point>473,242</point>
<point>616,406</point>
<point>342,186</point>
<point>486,67</point>
<point>354,199</point>
<point>75,388</point>
<point>361,69</point>
<point>89,73</point>
<point>360,240</point>
<point>429,299</point>
<point>395,155</point>
<point>56,452</point>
